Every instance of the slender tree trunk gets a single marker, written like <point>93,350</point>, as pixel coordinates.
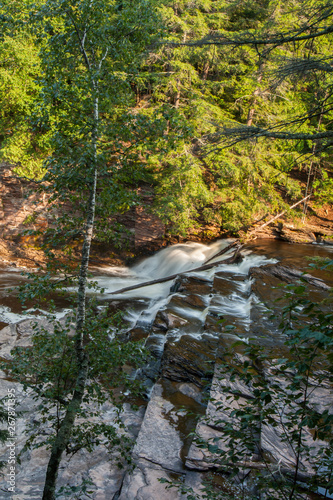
<point>308,189</point>
<point>252,110</point>
<point>177,100</point>
<point>205,70</point>
<point>65,431</point>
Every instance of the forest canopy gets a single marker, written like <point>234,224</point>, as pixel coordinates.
<point>228,111</point>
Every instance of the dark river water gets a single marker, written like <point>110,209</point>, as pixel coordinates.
<point>295,255</point>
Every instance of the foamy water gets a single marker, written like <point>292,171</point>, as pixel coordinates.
<point>168,261</point>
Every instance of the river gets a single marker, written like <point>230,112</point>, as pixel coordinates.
<point>182,322</point>
<point>145,302</point>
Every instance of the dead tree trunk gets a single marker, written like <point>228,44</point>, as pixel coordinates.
<point>256,93</point>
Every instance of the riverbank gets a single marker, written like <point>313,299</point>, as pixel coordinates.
<point>23,210</point>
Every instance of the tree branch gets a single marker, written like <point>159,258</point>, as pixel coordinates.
<point>244,133</point>
<point>81,40</point>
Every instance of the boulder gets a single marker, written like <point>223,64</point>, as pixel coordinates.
<point>166,320</point>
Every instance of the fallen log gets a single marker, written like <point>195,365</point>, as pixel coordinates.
<point>302,476</point>
<point>222,252</point>
<point>288,274</point>
<point>230,260</point>
<point>271,468</point>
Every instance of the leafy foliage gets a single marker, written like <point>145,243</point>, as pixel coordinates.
<point>49,369</point>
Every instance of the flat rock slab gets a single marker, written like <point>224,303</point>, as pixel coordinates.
<point>19,334</point>
<point>197,301</point>
<point>225,286</point>
<point>190,360</point>
<point>181,301</point>
<point>16,335</point>
<point>158,450</point>
<point>159,440</point>
<point>273,440</point>
<point>98,466</point>
<point>287,274</point>
<point>144,483</point>
<point>190,284</point>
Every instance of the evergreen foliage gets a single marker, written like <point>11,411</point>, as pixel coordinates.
<point>224,72</point>
<point>246,89</point>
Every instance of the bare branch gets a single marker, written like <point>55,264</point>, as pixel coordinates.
<point>81,39</point>
<point>102,60</point>
<point>242,133</point>
<point>302,67</point>
<point>275,39</point>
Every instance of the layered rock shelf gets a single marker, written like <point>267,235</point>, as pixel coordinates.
<point>187,338</point>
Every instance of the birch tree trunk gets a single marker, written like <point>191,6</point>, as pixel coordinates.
<point>65,431</point>
<point>177,100</point>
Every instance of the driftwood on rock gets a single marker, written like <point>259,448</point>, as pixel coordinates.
<point>288,274</point>
<point>171,277</point>
<point>255,230</point>
<point>286,471</point>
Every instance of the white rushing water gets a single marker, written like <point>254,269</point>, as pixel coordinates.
<point>179,259</point>
<point>172,260</point>
<point>168,261</point>
<point>7,316</point>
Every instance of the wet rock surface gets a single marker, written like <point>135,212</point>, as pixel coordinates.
<point>190,360</point>
<point>167,320</point>
<point>184,361</point>
<point>196,285</point>
<point>286,274</point>
<point>187,338</point>
<point>18,335</point>
<point>99,467</point>
<point>158,440</point>
<point>144,483</point>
